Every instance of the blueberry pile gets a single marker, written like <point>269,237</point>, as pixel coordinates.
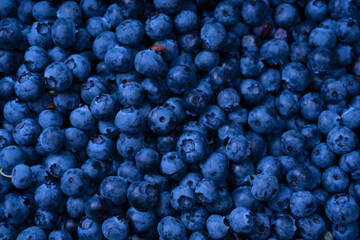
<point>179,119</point>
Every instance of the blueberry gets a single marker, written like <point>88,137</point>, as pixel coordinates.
<point>241,220</point>
<point>345,231</point>
<point>283,226</point>
<point>215,167</point>
<point>89,229</point>
<point>129,171</point>
<point>322,157</point>
<point>171,228</point>
<point>15,208</point>
<point>311,226</point>
<point>262,120</point>
<point>316,10</point>
<point>119,59</point>
<point>213,35</point>
<point>163,207</point>
<point>11,156</point>
<point>149,63</point>
<point>206,191</point>
<point>58,77</point>
<point>335,180</point>
<point>158,26</point>
<point>285,15</point>
<point>296,76</point>
<point>301,178</point>
<point>192,147</point>
<point>342,209</point>
<point>186,21</point>
<point>60,234</point>
<point>102,43</point>
<point>142,195</point>
<point>128,145</point>
<point>302,204</point>
<point>322,37</point>
<point>32,232</point>
<point>74,139</point>
<point>265,187</point>
<point>182,198</point>
<point>136,220</point>
<point>16,110</point>
<point>103,106</point>
<point>21,176</point>
<point>172,167</point>
<point>217,226</point>
<point>147,160</point>
<point>179,79</point>
<point>74,182</point>
<point>341,140</point>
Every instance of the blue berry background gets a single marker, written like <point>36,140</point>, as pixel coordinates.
<point>179,119</point>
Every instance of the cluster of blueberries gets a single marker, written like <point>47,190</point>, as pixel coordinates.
<point>179,119</point>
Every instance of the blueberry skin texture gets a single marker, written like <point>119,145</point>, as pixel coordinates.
<point>5,139</point>
<point>349,162</point>
<point>63,32</point>
<point>349,118</point>
<point>322,157</point>
<point>100,147</point>
<point>241,220</point>
<point>130,32</point>
<point>265,187</point>
<point>142,195</point>
<point>213,117</point>
<point>7,88</point>
<point>301,178</point>
<point>149,63</point>
<point>74,139</point>
<point>179,79</point>
<point>147,160</point>
<point>11,156</point>
<point>345,231</point>
<point>253,11</point>
<point>262,120</point>
<point>74,182</point>
<point>163,207</point>
<point>195,219</point>
<point>182,198</point>
<point>15,208</point>
<point>102,43</point>
<point>242,197</point>
<point>171,228</point>
<point>141,222</point>
<point>16,110</point>
<point>168,7</point>
<point>47,196</point>
<point>287,103</point>
<point>114,188</point>
<point>58,77</point>
<point>328,120</point>
<point>312,226</point>
<point>129,171</point>
<point>79,66</point>
<point>8,231</point>
<point>316,10</point>
<point>311,105</point>
<point>36,59</point>
<point>215,167</point>
<point>103,107</point>
<point>29,87</point>
<point>186,21</point>
<point>161,120</point>
<point>213,35</point>
<point>26,132</point>
<point>333,91</point>
<point>322,37</point>
<point>192,147</point>
<point>302,204</point>
<point>89,229</point>
<point>342,209</point>
<point>32,232</point>
<point>217,226</point>
<point>129,144</point>
<point>21,176</point>
<point>252,92</point>
<point>172,167</point>
<point>283,226</point>
<point>237,148</point>
<point>320,60</point>
<point>251,64</point>
<point>341,140</point>
<point>60,234</point>
<point>227,13</point>
<point>70,10</point>
<point>206,191</point>
<point>119,59</point>
<point>275,51</point>
<point>82,118</point>
<point>158,26</point>
<point>285,15</point>
<point>335,180</point>
<point>281,202</point>
<point>299,51</point>
<point>206,60</point>
<point>296,77</point>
